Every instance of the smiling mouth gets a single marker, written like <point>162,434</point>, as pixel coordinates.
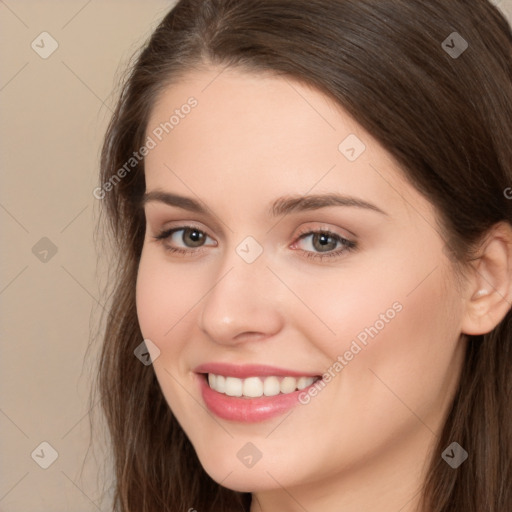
<point>255,387</point>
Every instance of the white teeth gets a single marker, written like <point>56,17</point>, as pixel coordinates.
<point>302,383</point>
<point>271,386</point>
<point>220,383</point>
<point>255,387</point>
<point>288,385</point>
<point>233,386</point>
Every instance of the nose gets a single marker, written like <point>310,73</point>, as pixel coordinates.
<point>244,303</point>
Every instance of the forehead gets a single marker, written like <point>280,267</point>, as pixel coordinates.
<point>250,109</point>
<point>232,133</point>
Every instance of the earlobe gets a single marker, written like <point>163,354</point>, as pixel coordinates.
<point>490,282</point>
<point>480,293</point>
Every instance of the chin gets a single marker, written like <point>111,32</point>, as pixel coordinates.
<point>239,478</point>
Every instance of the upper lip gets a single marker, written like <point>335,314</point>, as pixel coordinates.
<point>249,370</point>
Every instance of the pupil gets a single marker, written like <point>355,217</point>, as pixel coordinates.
<point>324,242</point>
<point>195,236</point>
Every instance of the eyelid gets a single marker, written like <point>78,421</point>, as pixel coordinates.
<point>160,214</point>
<point>167,227</point>
<point>349,236</point>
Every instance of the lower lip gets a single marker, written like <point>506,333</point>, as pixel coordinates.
<point>247,410</point>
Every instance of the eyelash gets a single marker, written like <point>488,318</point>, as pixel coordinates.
<point>347,245</point>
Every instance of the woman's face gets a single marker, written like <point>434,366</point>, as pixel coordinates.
<point>283,242</point>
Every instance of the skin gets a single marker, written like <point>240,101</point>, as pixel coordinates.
<point>363,442</point>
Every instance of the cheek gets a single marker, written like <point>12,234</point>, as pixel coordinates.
<point>164,296</point>
<point>386,334</point>
<point>407,356</point>
<point>339,307</point>
<point>408,307</point>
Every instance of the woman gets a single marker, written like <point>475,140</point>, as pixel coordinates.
<point>309,205</point>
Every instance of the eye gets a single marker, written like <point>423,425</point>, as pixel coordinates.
<point>324,243</point>
<point>184,239</point>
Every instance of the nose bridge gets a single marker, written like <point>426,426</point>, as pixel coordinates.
<point>241,298</point>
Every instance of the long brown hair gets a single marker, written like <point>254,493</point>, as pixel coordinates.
<point>447,120</point>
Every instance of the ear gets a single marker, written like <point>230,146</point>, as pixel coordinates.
<point>489,290</point>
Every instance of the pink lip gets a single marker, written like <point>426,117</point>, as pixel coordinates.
<point>243,409</point>
<point>249,370</point>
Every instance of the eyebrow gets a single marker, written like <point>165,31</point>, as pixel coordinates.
<point>186,203</point>
<point>285,205</point>
<point>281,206</point>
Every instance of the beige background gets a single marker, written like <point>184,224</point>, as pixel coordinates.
<point>54,113</point>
